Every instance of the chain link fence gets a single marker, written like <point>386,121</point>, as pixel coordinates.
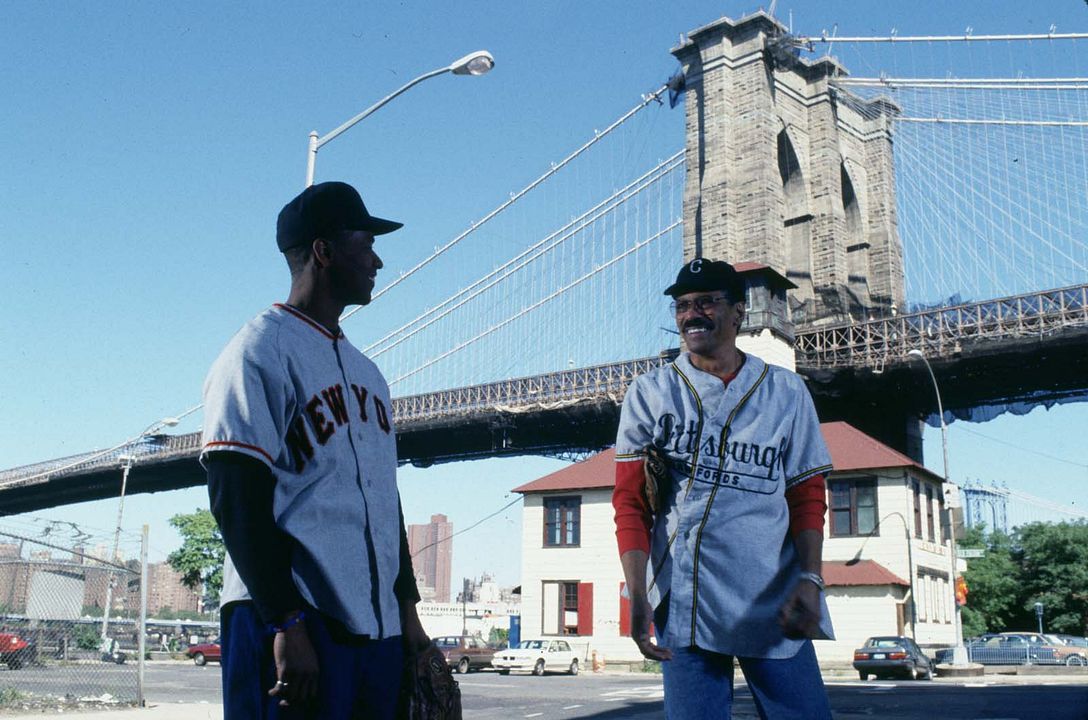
<point>72,614</point>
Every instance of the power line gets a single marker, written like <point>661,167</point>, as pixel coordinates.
<point>478,522</point>
<point>1025,449</point>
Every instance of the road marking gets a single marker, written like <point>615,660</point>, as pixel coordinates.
<point>572,707</point>
<point>645,692</point>
<point>534,715</point>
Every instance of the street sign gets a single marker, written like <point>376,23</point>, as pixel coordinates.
<point>968,553</point>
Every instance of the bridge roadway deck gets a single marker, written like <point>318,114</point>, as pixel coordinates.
<point>1028,348</point>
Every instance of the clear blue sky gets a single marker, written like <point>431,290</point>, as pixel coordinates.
<point>147,148</point>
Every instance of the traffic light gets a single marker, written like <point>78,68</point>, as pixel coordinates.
<point>961,591</point>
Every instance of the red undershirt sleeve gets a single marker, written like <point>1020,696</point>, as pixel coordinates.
<point>808,505</point>
<point>633,516</point>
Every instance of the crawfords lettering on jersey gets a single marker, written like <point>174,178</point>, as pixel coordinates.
<point>315,410</point>
<point>721,552</point>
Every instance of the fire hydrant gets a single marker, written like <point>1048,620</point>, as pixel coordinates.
<point>598,661</point>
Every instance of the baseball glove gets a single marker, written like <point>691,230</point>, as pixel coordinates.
<point>428,690</point>
<point>656,469</point>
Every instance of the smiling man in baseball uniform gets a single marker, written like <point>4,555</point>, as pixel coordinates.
<point>728,566</point>
<point>299,446</point>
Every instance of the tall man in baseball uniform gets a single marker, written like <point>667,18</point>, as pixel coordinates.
<point>729,564</point>
<point>318,592</point>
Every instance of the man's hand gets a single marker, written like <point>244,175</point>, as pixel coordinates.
<point>415,637</point>
<point>296,667</point>
<point>641,617</point>
<point>800,614</point>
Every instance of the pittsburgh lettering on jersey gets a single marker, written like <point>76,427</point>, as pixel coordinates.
<point>750,466</point>
<point>331,399</point>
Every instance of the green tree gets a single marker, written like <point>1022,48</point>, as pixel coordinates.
<point>200,557</point>
<point>1053,559</point>
<point>498,637</point>
<point>994,588</point>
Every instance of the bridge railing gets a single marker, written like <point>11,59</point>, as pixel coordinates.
<point>152,447</point>
<point>539,392</point>
<point>875,343</point>
<point>943,331</point>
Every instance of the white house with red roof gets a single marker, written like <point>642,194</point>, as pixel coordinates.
<point>887,561</point>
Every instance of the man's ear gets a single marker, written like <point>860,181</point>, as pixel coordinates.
<point>322,252</point>
<point>739,307</point>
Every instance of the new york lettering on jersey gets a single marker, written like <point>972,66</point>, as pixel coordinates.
<point>314,421</point>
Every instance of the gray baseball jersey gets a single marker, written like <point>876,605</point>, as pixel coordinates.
<point>317,412</point>
<point>721,550</point>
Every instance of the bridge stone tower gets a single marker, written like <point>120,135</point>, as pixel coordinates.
<point>785,170</point>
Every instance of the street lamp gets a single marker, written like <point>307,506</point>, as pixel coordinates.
<point>910,564</point>
<point>127,461</point>
<point>959,652</point>
<point>477,63</point>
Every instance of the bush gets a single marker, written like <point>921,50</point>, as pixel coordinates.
<point>86,637</point>
<point>10,696</point>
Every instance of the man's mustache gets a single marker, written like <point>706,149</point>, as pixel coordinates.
<point>697,323</point>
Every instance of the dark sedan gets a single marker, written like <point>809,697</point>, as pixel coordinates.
<point>465,653</point>
<point>892,655</point>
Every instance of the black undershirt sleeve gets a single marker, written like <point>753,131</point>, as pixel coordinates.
<point>405,586</point>
<point>240,489</point>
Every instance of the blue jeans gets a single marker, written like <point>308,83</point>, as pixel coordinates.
<point>359,679</point>
<point>699,686</point>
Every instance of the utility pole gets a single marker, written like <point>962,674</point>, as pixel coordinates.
<point>464,610</point>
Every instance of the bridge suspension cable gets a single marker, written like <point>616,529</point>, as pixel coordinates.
<point>967,37</point>
<point>991,162</point>
<point>523,259</point>
<point>664,231</point>
<point>555,168</point>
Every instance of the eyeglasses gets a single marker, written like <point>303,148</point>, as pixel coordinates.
<point>701,304</point>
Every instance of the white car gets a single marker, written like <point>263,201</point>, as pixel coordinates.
<point>537,656</point>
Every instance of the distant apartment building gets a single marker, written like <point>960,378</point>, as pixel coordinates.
<point>41,586</point>
<point>432,552</point>
<point>165,590</point>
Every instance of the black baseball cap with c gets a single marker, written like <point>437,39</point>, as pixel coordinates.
<point>324,209</point>
<point>705,275</point>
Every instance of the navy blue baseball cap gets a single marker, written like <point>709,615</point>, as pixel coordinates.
<point>325,209</point>
<point>705,275</point>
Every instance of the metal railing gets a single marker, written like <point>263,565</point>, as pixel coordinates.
<point>941,332</point>
<point>156,448</point>
<point>62,648</point>
<point>538,392</point>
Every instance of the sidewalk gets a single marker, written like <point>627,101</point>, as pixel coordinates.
<point>214,711</point>
<point>171,711</point>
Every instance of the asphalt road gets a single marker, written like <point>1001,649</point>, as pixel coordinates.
<point>490,696</point>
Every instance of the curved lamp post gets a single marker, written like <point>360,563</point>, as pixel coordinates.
<point>959,652</point>
<point>910,564</point>
<point>477,63</point>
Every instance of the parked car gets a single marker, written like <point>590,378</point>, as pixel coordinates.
<point>16,651</point>
<point>1009,649</point>
<point>888,655</point>
<point>537,656</point>
<point>1067,650</point>
<point>464,652</point>
<point>203,653</point>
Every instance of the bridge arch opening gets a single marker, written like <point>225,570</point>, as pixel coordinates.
<point>797,227</point>
<point>855,241</point>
